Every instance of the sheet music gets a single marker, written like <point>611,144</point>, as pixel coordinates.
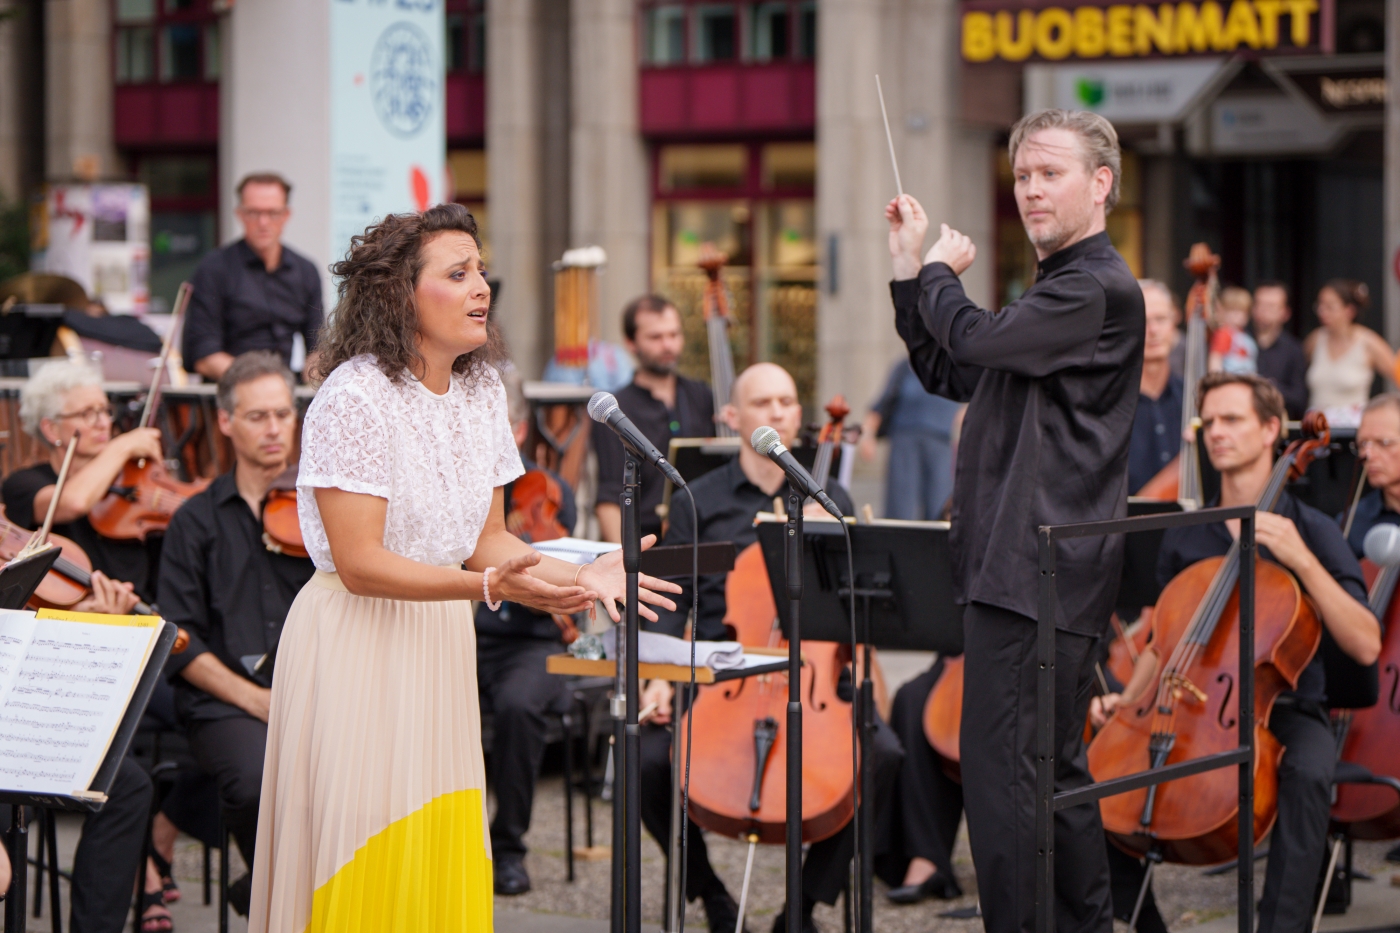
<point>68,693</point>
<point>16,630</point>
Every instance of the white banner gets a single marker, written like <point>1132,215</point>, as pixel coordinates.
<point>388,129</point>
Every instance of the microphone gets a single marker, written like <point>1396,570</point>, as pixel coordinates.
<point>1382,545</point>
<point>603,408</point>
<point>767,442</point>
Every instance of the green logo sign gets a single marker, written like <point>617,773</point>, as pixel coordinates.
<point>1089,91</point>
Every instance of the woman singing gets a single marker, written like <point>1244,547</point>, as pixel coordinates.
<point>374,796</point>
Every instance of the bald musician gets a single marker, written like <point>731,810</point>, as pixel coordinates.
<point>727,499</point>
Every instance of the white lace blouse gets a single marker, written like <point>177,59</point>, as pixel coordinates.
<point>436,458</point>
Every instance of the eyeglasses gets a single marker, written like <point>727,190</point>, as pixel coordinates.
<point>255,214</point>
<point>258,418</point>
<point>1384,443</point>
<point>90,416</point>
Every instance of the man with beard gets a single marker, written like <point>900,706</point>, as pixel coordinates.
<point>660,402</point>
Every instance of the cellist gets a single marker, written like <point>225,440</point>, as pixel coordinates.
<point>727,499</point>
<point>1241,417</point>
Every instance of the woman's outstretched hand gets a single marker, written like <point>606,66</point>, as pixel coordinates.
<point>513,582</point>
<point>606,577</point>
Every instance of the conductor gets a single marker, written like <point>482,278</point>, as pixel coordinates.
<point>1052,380</point>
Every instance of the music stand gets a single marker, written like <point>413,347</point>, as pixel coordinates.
<point>904,593</point>
<point>20,578</point>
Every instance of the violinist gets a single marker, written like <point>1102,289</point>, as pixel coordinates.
<point>1241,416</point>
<point>727,499</point>
<point>512,643</point>
<point>662,404</point>
<point>220,583</point>
<point>62,399</point>
<point>1051,383</point>
<point>1156,436</point>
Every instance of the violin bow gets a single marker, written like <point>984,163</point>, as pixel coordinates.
<point>182,301</point>
<point>40,540</point>
<point>888,137</point>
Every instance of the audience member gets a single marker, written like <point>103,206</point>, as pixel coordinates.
<point>1232,349</point>
<point>919,427</point>
<point>1344,356</point>
<point>1281,357</point>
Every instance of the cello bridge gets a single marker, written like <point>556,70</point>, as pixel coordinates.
<point>1181,684</point>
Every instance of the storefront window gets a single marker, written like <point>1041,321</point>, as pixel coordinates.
<point>135,54</point>
<point>665,35</point>
<point>693,168</point>
<point>716,33</point>
<point>136,11</point>
<point>807,30</point>
<point>177,177</point>
<point>212,51</point>
<point>789,165</point>
<point>179,52</point>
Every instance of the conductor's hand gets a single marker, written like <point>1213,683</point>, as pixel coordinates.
<point>953,249</point>
<point>605,577</point>
<point>908,224</point>
<point>110,596</point>
<point>513,582</point>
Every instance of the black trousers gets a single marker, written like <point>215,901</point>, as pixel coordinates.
<point>828,863</point>
<point>926,805</point>
<point>231,751</point>
<point>518,693</point>
<point>998,769</point>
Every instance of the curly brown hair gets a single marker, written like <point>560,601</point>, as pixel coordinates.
<point>376,313</point>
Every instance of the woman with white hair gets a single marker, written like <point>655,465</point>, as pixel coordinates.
<point>60,400</point>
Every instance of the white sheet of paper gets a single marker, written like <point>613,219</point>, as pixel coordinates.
<point>70,692</point>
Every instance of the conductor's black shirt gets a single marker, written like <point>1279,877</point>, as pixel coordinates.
<point>726,502</point>
<point>238,305</point>
<point>130,561</point>
<point>1182,547</point>
<point>693,416</point>
<point>1052,380</point>
<point>221,584</point>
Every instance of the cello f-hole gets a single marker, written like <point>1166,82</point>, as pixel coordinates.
<point>732,691</point>
<point>1229,683</point>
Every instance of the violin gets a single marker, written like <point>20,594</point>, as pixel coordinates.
<point>69,582</point>
<point>1180,479</point>
<point>281,524</point>
<point>1372,735</point>
<point>738,775</point>
<point>1194,710</point>
<point>146,494</point>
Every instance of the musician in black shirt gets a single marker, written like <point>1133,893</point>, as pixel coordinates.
<point>726,500</point>
<point>223,585</point>
<point>660,402</point>
<point>1378,443</point>
<point>1241,416</point>
<point>1052,380</point>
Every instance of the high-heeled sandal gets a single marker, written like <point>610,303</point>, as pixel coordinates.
<point>169,889</point>
<point>158,923</point>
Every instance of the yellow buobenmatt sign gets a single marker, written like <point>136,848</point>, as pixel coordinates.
<point>1135,31</point>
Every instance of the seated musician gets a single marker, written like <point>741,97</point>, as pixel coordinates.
<point>1241,417</point>
<point>1156,436</point>
<point>511,646</point>
<point>727,499</point>
<point>61,399</point>
<point>222,585</point>
<point>915,834</point>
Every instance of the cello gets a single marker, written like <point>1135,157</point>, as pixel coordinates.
<point>1193,710</point>
<point>1372,736</point>
<point>1180,479</point>
<point>145,495</point>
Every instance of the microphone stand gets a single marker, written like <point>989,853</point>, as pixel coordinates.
<point>792,552</point>
<point>627,822</point>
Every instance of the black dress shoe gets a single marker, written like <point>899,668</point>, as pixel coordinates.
<point>721,912</point>
<point>808,924</point>
<point>510,874</point>
<point>936,885</point>
<point>240,893</point>
<point>1393,855</point>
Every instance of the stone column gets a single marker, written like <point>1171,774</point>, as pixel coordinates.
<point>12,138</point>
<point>912,45</point>
<point>1392,172</point>
<point>608,169</point>
<point>79,90</point>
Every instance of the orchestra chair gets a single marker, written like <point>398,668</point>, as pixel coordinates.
<point>1336,880</point>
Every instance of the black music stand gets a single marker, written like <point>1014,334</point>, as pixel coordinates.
<point>17,835</point>
<point>20,578</point>
<point>904,589</point>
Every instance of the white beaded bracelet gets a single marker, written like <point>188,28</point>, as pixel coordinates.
<point>486,590</point>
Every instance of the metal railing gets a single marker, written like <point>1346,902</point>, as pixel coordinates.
<point>1047,801</point>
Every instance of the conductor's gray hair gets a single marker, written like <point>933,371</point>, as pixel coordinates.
<point>43,395</point>
<point>1098,138</point>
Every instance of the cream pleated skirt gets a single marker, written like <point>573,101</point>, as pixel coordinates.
<point>373,810</point>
